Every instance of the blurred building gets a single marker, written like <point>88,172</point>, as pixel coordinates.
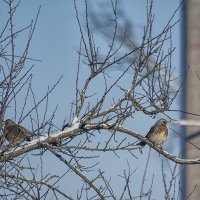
<point>191,61</point>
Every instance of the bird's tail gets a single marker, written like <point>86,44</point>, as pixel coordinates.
<point>141,144</point>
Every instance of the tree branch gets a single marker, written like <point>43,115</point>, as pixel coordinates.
<point>75,129</point>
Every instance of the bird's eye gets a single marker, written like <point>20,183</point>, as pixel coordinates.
<point>164,122</point>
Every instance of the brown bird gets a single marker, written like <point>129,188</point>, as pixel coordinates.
<point>15,133</point>
<point>157,134</point>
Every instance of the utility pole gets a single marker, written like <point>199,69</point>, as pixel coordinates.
<point>192,86</point>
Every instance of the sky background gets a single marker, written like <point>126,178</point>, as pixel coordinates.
<point>56,41</point>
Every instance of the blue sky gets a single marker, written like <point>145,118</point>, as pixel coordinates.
<point>55,43</point>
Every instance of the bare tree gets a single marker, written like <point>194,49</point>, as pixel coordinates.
<point>96,124</point>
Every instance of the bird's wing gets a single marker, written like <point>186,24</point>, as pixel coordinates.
<point>26,132</point>
<point>166,131</point>
<point>14,130</point>
<point>152,130</point>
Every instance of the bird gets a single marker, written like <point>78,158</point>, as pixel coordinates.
<point>157,134</point>
<point>15,133</point>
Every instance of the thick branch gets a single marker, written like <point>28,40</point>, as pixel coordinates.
<point>141,138</point>
<point>37,143</point>
<point>74,130</point>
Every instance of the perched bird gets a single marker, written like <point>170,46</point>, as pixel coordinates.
<point>158,133</point>
<point>15,133</point>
